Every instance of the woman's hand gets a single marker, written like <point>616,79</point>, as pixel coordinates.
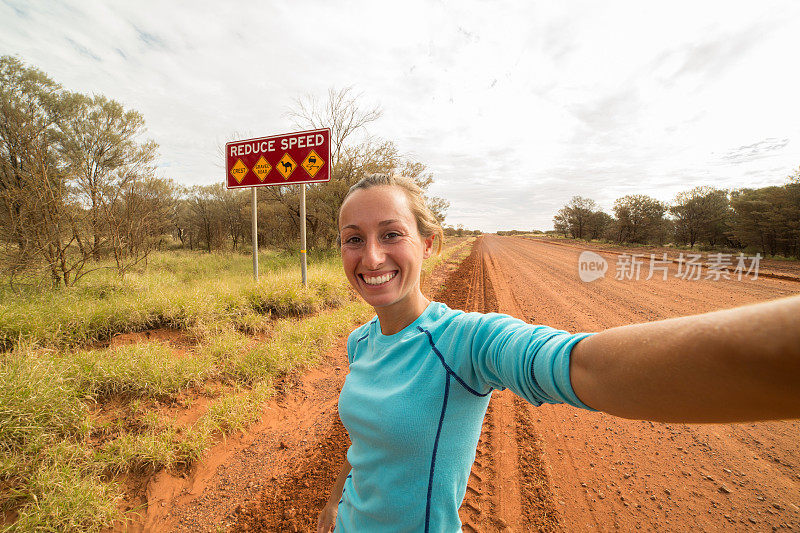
<point>327,518</point>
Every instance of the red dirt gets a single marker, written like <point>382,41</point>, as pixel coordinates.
<point>552,468</point>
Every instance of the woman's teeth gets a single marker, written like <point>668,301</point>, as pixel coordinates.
<point>380,279</point>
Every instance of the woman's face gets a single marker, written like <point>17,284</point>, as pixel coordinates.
<point>382,250</point>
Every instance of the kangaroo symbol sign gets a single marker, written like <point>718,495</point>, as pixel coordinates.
<point>301,157</point>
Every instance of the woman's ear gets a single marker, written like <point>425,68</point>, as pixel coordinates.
<point>428,241</point>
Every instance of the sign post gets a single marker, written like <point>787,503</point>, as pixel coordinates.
<point>254,208</point>
<point>303,232</point>
<point>250,163</point>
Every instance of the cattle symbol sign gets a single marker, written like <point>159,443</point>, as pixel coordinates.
<point>274,161</point>
<point>301,157</point>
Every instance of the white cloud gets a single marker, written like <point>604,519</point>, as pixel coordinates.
<point>515,107</point>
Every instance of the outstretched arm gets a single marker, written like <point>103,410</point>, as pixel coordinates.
<point>734,365</point>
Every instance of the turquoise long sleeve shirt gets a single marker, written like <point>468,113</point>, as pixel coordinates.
<point>413,404</point>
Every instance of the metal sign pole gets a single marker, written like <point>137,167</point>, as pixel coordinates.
<point>303,232</point>
<point>255,235</point>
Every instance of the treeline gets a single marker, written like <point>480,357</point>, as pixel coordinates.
<point>512,232</point>
<point>78,183</point>
<point>460,231</point>
<point>765,220</point>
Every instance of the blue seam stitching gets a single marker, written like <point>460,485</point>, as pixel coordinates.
<point>354,355</point>
<point>449,370</point>
<point>435,447</point>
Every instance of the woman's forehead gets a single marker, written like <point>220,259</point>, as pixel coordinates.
<point>375,205</point>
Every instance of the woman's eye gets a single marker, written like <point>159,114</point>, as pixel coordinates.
<point>392,235</point>
<point>353,240</point>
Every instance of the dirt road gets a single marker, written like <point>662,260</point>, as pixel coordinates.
<point>605,473</point>
<point>552,468</point>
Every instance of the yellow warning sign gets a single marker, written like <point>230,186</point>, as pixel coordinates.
<point>286,166</point>
<point>313,163</point>
<point>262,168</point>
<point>239,171</point>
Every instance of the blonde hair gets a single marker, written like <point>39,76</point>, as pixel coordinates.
<point>427,223</point>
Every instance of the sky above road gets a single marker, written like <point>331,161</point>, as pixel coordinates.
<point>515,107</point>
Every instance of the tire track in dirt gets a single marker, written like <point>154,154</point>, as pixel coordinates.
<point>466,289</point>
<point>508,488</point>
<point>608,473</point>
<point>536,493</point>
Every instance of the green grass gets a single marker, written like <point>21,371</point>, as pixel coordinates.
<point>63,492</point>
<point>137,370</point>
<point>178,290</point>
<point>230,414</point>
<point>46,465</point>
<point>457,250</point>
<point>151,449</point>
<point>295,342</point>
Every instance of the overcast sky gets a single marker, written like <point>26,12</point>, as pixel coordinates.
<point>514,106</point>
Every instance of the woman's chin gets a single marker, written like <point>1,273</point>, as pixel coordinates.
<point>378,300</point>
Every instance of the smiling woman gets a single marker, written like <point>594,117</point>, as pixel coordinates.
<point>421,374</point>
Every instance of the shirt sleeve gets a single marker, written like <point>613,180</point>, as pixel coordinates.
<point>531,360</point>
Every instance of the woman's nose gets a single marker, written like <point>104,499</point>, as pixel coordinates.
<point>373,255</point>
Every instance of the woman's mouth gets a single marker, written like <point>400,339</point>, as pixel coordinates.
<point>376,281</point>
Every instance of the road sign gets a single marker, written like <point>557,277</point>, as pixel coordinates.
<point>286,166</point>
<point>273,160</point>
<point>313,163</point>
<point>262,168</point>
<point>238,171</point>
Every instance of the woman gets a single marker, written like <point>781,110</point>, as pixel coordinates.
<point>421,374</point>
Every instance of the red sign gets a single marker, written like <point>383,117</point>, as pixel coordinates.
<point>301,157</point>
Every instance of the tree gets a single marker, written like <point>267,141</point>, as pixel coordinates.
<point>639,217</point>
<point>342,112</point>
<point>577,217</point>
<point>72,175</point>
<point>768,219</point>
<point>794,177</point>
<point>580,209</point>
<point>29,108</point>
<point>233,209</point>
<point>701,214</point>
<point>561,222</point>
<point>99,143</point>
<point>138,218</point>
<point>206,217</point>
<point>39,212</point>
<point>597,224</point>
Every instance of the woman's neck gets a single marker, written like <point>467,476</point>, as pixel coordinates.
<point>393,318</point>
